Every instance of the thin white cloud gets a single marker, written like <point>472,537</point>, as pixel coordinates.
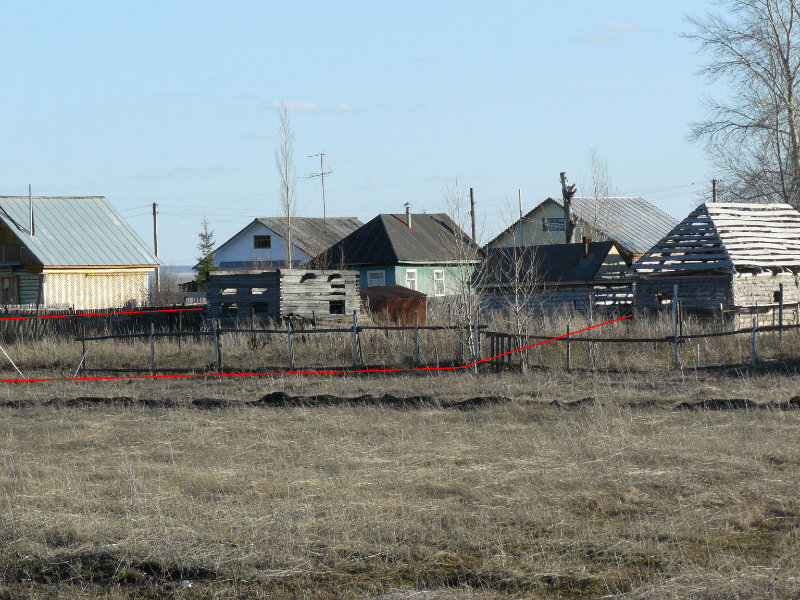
<point>592,39</point>
<point>620,26</point>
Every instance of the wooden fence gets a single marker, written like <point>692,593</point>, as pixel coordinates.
<point>468,339</point>
<point>22,323</point>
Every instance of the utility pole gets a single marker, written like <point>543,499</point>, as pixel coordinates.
<point>472,212</point>
<point>155,243</point>
<point>713,190</point>
<point>567,192</point>
<point>321,175</point>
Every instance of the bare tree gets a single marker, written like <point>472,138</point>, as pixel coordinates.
<point>284,161</point>
<point>464,252</point>
<point>754,134</point>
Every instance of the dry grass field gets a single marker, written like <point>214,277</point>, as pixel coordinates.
<point>551,484</point>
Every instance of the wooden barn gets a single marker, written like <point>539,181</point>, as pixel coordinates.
<point>283,294</point>
<point>553,276</point>
<point>736,257</point>
<point>395,304</point>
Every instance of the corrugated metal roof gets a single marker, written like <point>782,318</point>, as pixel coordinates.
<point>387,240</point>
<point>552,263</point>
<point>313,235</point>
<point>74,231</point>
<point>632,222</point>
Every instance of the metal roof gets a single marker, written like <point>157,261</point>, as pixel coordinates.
<point>729,237</point>
<point>386,239</point>
<point>389,292</point>
<point>74,231</point>
<point>632,222</point>
<point>313,235</point>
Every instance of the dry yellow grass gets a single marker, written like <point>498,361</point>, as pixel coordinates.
<point>621,497</point>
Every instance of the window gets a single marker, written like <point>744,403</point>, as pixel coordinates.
<point>375,278</point>
<point>552,223</point>
<point>411,279</point>
<point>438,282</point>
<point>8,290</point>
<point>336,307</point>
<point>262,241</point>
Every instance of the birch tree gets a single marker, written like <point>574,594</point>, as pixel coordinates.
<point>284,161</point>
<point>753,134</point>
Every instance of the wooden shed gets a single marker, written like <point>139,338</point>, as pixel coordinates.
<point>395,304</point>
<point>283,294</point>
<point>70,251</point>
<point>726,255</point>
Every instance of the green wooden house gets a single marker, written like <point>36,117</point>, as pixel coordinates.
<point>424,252</point>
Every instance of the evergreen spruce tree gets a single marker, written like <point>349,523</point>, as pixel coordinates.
<point>206,261</point>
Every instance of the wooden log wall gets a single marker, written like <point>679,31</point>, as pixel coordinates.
<point>284,293</point>
<point>701,292</point>
<point>307,293</point>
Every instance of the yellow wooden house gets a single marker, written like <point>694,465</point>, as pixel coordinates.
<point>72,252</point>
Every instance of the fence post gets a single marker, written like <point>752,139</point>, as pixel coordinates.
<point>355,338</point>
<point>217,352</point>
<point>416,340</point>
<point>83,345</point>
<point>180,329</point>
<point>676,358</point>
<point>569,349</point>
<point>152,349</point>
<point>753,357</point>
<point>780,318</point>
<point>289,343</point>
<point>721,318</point>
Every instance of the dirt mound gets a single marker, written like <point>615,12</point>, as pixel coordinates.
<point>282,399</point>
<point>92,401</point>
<point>739,404</point>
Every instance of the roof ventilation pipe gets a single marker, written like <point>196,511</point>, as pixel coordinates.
<point>408,214</point>
<point>586,242</point>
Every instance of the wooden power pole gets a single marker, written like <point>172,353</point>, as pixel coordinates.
<point>567,192</point>
<point>472,212</point>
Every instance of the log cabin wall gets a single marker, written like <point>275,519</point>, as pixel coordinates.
<point>696,292</point>
<point>284,293</point>
<point>318,294</point>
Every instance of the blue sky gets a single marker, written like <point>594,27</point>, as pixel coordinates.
<point>175,103</point>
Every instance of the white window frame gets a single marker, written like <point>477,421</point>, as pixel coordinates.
<point>437,280</point>
<point>412,279</point>
<point>382,277</point>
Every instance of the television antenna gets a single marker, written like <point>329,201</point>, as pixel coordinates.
<point>321,175</point>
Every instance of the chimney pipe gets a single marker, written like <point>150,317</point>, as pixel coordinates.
<point>586,242</point>
<point>408,214</point>
<point>30,207</point>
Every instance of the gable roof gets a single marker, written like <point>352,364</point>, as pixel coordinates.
<point>432,238</point>
<point>730,237</point>
<point>74,231</point>
<point>309,234</point>
<point>552,263</point>
<point>631,221</point>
